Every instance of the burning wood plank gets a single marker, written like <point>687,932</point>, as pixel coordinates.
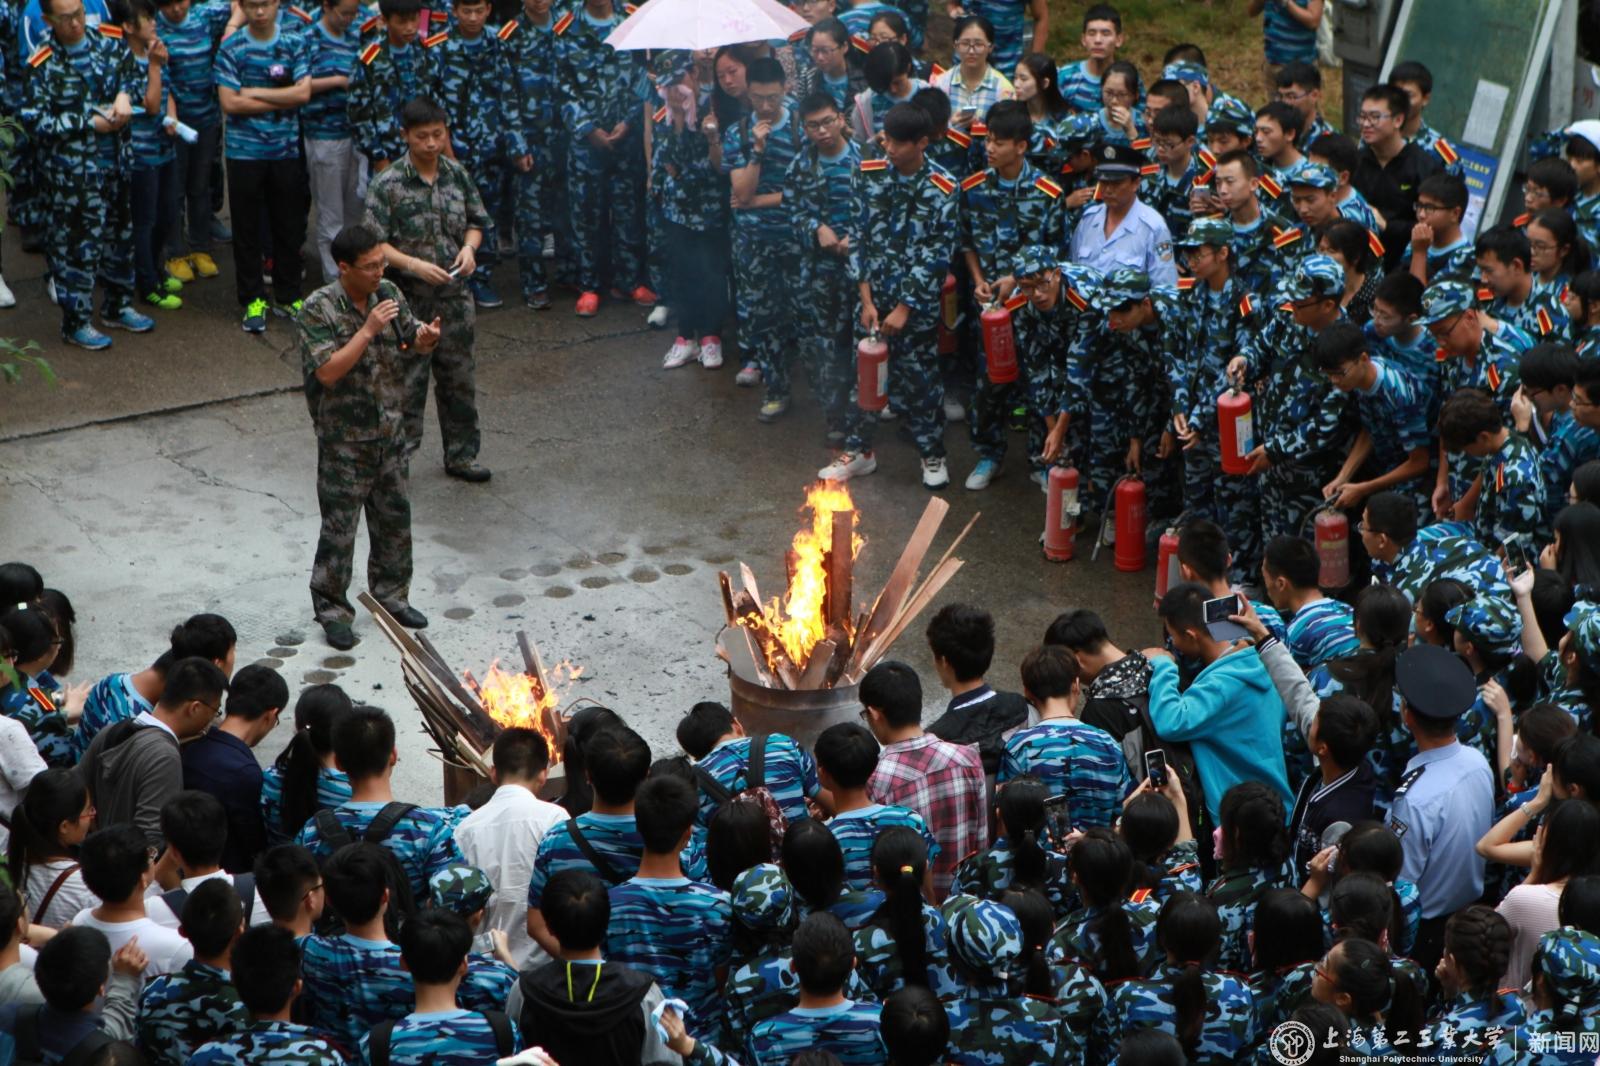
<point>840,562</point>
<point>900,578</point>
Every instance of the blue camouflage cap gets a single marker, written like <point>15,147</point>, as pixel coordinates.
<point>1445,298</point>
<point>1434,682</point>
<point>1207,230</point>
<point>1569,959</point>
<point>762,898</point>
<point>1314,175</point>
<point>1187,72</point>
<point>1317,276</point>
<point>984,935</point>
<point>1488,621</point>
<point>670,64</point>
<point>1078,132</point>
<point>1230,114</point>
<point>1583,622</point>
<point>1035,259</point>
<point>461,888</point>
<point>1121,287</point>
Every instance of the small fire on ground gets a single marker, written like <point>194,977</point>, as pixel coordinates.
<point>520,700</point>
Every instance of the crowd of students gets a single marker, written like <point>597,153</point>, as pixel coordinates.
<point>1356,834</point>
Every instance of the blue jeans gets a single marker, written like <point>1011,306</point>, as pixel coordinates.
<point>154,208</point>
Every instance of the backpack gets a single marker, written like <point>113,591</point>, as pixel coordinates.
<point>383,1032</point>
<point>755,789</point>
<point>244,884</point>
<point>26,1035</point>
<point>402,904</point>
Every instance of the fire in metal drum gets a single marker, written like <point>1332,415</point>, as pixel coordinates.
<point>801,714</point>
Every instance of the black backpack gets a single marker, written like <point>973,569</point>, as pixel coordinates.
<point>755,774</point>
<point>244,884</point>
<point>378,1042</point>
<point>402,904</point>
<point>26,1036</point>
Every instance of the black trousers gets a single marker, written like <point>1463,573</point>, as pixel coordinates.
<point>280,186</point>
<point>697,279</point>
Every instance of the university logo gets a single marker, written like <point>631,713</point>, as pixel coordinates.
<point>1292,1043</point>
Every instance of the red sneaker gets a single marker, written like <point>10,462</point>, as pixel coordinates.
<point>643,297</point>
<point>588,304</point>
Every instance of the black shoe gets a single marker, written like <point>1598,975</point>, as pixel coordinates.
<point>410,617</point>
<point>469,472</point>
<point>340,636</point>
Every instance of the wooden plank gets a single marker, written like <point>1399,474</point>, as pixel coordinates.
<point>478,724</point>
<point>725,583</point>
<point>748,577</point>
<point>816,671</point>
<point>954,544</point>
<point>902,576</point>
<point>881,644</point>
<point>534,664</point>
<point>841,564</point>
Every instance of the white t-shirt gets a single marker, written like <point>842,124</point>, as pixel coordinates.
<point>156,907</point>
<point>72,897</point>
<point>167,950</point>
<point>19,761</point>
<point>501,838</point>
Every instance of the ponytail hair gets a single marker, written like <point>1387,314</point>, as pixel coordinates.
<point>1363,906</point>
<point>1479,938</point>
<point>1102,866</point>
<point>1255,832</point>
<point>1190,932</point>
<point>300,761</point>
<point>1287,930</point>
<point>1150,826</point>
<point>53,796</point>
<point>1037,919</point>
<point>900,863</point>
<point>1365,972</point>
<point>812,858</point>
<point>1020,808</point>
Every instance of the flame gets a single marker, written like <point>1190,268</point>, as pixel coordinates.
<point>517,699</point>
<point>799,623</point>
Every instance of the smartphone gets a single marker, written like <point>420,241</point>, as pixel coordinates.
<point>1155,767</point>
<point>454,272</point>
<point>1057,822</point>
<point>1217,615</point>
<point>1516,552</point>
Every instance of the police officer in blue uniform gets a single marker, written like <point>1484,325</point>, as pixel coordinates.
<point>1445,801</point>
<point>1119,231</point>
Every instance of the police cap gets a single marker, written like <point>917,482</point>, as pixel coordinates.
<point>1434,682</point>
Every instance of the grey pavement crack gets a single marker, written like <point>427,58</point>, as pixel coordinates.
<point>207,478</point>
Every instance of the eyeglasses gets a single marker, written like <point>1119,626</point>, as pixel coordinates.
<point>882,37</point>
<point>766,98</point>
<point>1373,118</point>
<point>1423,208</point>
<point>1115,94</point>
<point>67,16</point>
<point>1292,96</point>
<point>1339,373</point>
<point>820,124</point>
<point>216,712</point>
<point>972,46</point>
<point>1166,144</point>
<point>825,51</point>
<point>1324,974</point>
<point>1542,246</point>
<point>374,267</point>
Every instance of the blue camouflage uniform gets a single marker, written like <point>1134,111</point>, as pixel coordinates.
<point>1236,892</point>
<point>789,772</point>
<point>1266,252</point>
<point>1047,350</point>
<point>352,984</point>
<point>1440,551</point>
<point>35,708</point>
<point>1226,1035</point>
<point>113,699</point>
<point>601,88</point>
<point>849,1031</point>
<point>1170,198</point>
<point>1493,626</point>
<point>1322,630</point>
<point>487,984</point>
<point>180,1011</point>
<point>1079,87</point>
<point>1396,414</point>
<point>532,51</point>
<point>820,191</point>
<point>678,931</point>
<point>1075,938</point>
<point>878,958</point>
<point>989,1025</point>
<point>280,1043</point>
<point>333,790</point>
<point>1540,314</point>
<point>990,873</point>
<point>1567,1034</point>
<point>83,175</point>
<point>421,840</point>
<point>1073,759</point>
<point>1463,1014</point>
<point>1278,994</point>
<point>907,232</point>
<point>857,830</point>
<point>1512,500</point>
<point>1566,445</point>
<point>1456,261</point>
<point>854,908</point>
<point>383,79</point>
<point>614,836</point>
<point>443,1038</point>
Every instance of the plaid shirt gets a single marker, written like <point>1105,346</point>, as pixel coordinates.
<point>944,783</point>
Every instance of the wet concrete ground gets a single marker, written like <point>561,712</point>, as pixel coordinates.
<point>175,474</point>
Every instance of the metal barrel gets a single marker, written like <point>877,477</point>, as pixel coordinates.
<point>801,714</point>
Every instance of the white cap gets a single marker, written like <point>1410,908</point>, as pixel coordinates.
<point>1588,129</point>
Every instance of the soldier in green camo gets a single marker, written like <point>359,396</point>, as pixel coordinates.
<point>427,211</point>
<point>359,341</point>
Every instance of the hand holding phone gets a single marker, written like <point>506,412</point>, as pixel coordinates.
<point>1218,616</point>
<point>1155,768</point>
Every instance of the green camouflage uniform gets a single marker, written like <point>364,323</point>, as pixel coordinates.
<point>362,456</point>
<point>430,220</point>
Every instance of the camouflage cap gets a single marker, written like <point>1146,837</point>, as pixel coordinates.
<point>461,888</point>
<point>1187,72</point>
<point>1203,231</point>
<point>984,935</point>
<point>1583,622</point>
<point>1445,298</point>
<point>1434,682</point>
<point>1121,287</point>
<point>1314,175</point>
<point>1569,959</point>
<point>1085,280</point>
<point>1078,132</point>
<point>670,64</point>
<point>1490,622</point>
<point>1036,259</point>
<point>1317,276</point>
<point>762,898</point>
<point>1231,114</point>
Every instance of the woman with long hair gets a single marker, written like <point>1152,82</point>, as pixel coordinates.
<point>1254,858</point>
<point>41,857</point>
<point>34,701</point>
<point>1477,947</point>
<point>1581,301</point>
<point>1348,244</point>
<point>814,863</point>
<point>1358,977</point>
<point>1287,938</point>
<point>990,1021</point>
<point>1563,847</point>
<point>905,942</point>
<point>1037,83</point>
<point>1079,997</point>
<point>303,778</point>
<point>1019,857</point>
<point>586,722</point>
<point>972,84</point>
<point>1113,932</point>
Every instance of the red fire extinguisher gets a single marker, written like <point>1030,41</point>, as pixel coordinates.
<point>999,341</point>
<point>1130,524</point>
<point>1333,548</point>
<point>949,315</point>
<point>872,373</point>
<point>1167,563</point>
<point>1235,430</point>
<point>1060,513</point>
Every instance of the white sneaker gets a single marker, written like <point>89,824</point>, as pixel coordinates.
<point>982,474</point>
<point>549,251</point>
<point>710,354</point>
<point>657,318</point>
<point>50,289</point>
<point>747,377</point>
<point>848,465</point>
<point>934,474</point>
<point>7,297</point>
<point>681,352</point>
<point>953,411</point>
<point>888,414</point>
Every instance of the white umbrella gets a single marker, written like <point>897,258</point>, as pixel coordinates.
<point>695,24</point>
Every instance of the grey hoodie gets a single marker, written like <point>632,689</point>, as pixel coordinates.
<point>131,781</point>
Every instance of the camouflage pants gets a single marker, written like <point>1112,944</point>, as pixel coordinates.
<point>25,200</point>
<point>1105,439</point>
<point>989,415</point>
<point>452,367</point>
<point>916,389</point>
<point>352,477</point>
<point>491,177</point>
<point>826,307</point>
<point>607,192</point>
<point>763,271</point>
<point>89,236</point>
<point>1290,492</point>
<point>534,193</point>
